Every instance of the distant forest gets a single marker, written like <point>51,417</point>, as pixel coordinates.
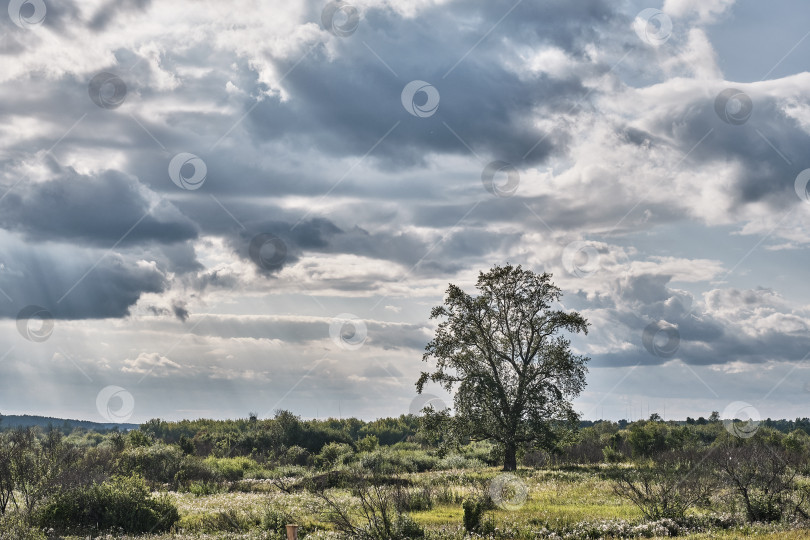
<point>287,433</point>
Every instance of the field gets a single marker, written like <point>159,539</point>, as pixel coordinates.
<point>558,497</point>
<point>570,498</point>
<point>388,479</point>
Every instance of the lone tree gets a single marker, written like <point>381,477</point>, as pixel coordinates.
<point>514,376</point>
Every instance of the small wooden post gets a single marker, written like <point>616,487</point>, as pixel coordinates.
<point>292,532</point>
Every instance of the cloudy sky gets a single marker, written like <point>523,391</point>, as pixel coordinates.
<point>210,208</point>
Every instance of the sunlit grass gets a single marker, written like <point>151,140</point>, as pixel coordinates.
<point>558,499</point>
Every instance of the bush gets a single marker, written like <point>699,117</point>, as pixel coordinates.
<point>612,455</point>
<point>195,470</point>
<point>235,468</point>
<point>536,459</point>
<point>763,478</point>
<point>668,487</point>
<point>377,517</point>
<point>275,521</point>
<point>369,443</point>
<point>158,463</point>
<point>332,454</point>
<point>201,489</point>
<point>455,461</point>
<point>408,528</point>
<point>295,455</point>
<point>124,503</point>
<point>473,512</point>
<point>14,527</point>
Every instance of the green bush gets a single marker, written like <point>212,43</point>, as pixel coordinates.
<point>124,503</point>
<point>195,470</point>
<point>611,455</point>
<point>369,443</point>
<point>408,528</point>
<point>473,513</point>
<point>295,455</point>
<point>158,463</point>
<point>235,468</point>
<point>201,489</point>
<point>332,454</point>
<point>275,521</point>
<point>14,527</point>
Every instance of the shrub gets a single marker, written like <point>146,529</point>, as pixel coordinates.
<point>408,528</point>
<point>195,470</point>
<point>187,445</point>
<point>377,518</point>
<point>369,443</point>
<point>124,502</point>
<point>668,487</point>
<point>763,478</point>
<point>484,452</point>
<point>455,461</point>
<point>139,439</point>
<point>201,489</point>
<point>473,512</point>
<point>535,459</point>
<point>275,521</point>
<point>612,455</point>
<point>14,527</point>
<point>332,454</point>
<point>234,468</point>
<point>158,463</point>
<point>295,455</point>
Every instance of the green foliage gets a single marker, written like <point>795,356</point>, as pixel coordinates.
<point>124,502</point>
<point>276,521</point>
<point>369,443</point>
<point>13,526</point>
<point>195,470</point>
<point>406,527</point>
<point>187,445</point>
<point>139,438</point>
<point>333,454</point>
<point>295,455</point>
<point>651,437</point>
<point>474,510</point>
<point>235,468</point>
<point>158,463</point>
<point>612,456</point>
<point>201,489</point>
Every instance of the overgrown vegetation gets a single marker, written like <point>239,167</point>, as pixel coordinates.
<point>389,479</point>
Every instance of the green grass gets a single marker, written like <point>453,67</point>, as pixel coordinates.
<point>557,499</point>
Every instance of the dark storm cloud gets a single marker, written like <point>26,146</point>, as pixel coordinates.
<point>92,210</point>
<point>75,287</point>
<point>345,104</point>
<point>770,148</point>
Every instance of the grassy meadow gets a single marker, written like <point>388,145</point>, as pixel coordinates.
<point>390,478</point>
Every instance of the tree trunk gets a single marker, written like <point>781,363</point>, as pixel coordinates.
<point>510,457</point>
